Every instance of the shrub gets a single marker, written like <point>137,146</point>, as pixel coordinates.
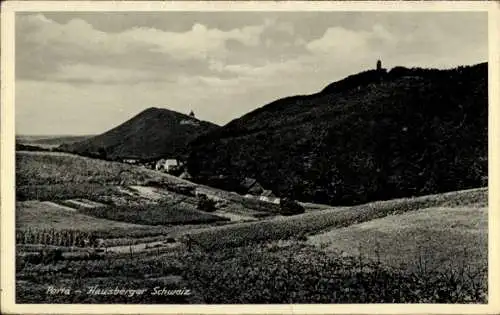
<point>275,273</point>
<point>52,256</point>
<point>290,207</point>
<point>63,237</point>
<point>206,204</point>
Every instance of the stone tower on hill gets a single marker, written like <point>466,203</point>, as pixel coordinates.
<point>379,65</point>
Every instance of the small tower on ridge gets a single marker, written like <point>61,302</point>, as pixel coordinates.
<point>379,65</point>
<point>191,114</point>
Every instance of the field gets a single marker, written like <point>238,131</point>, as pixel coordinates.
<point>433,234</point>
<point>47,168</point>
<point>45,215</point>
<point>119,202</point>
<point>315,222</point>
<point>154,215</point>
<point>385,251</point>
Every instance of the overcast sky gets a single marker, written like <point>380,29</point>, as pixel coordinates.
<point>84,73</point>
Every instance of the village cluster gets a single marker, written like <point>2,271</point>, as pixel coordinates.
<point>177,168</point>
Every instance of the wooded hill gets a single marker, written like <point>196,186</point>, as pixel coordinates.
<point>153,133</point>
<point>374,135</point>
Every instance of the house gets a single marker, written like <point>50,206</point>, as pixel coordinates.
<point>251,186</point>
<point>167,164</point>
<point>268,196</point>
<point>170,164</point>
<point>130,161</point>
<point>159,164</point>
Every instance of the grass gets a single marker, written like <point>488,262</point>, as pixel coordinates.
<point>436,233</point>
<point>62,191</point>
<point>317,221</point>
<point>277,272</point>
<point>153,215</point>
<point>240,204</point>
<point>47,168</point>
<point>42,216</point>
<point>49,176</point>
<point>295,273</point>
<point>247,262</point>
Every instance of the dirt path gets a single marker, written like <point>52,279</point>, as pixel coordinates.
<point>234,217</point>
<point>80,203</point>
<point>142,247</point>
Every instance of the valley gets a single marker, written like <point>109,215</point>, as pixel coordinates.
<point>187,247</point>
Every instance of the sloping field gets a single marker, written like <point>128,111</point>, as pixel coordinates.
<point>315,222</point>
<point>427,238</point>
<point>44,168</point>
<point>44,215</point>
<point>50,176</point>
<point>160,214</point>
<point>47,216</point>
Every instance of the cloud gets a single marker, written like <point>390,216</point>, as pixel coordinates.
<point>217,64</point>
<point>342,42</point>
<point>197,43</point>
<point>78,42</point>
<point>85,73</point>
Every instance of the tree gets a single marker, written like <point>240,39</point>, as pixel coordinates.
<point>102,154</point>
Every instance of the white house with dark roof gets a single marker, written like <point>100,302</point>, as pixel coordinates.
<point>170,163</point>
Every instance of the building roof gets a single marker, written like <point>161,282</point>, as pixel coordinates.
<point>185,175</point>
<point>248,182</point>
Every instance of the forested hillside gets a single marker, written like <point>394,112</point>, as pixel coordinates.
<point>153,133</point>
<point>374,135</point>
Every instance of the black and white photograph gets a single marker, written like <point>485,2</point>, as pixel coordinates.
<point>251,157</point>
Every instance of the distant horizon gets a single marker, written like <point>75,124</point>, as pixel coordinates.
<point>83,73</point>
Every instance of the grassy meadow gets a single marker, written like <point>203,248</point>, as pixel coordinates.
<point>48,168</point>
<point>422,239</point>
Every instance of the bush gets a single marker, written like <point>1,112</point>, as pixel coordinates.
<point>278,273</point>
<point>290,207</point>
<point>206,204</point>
<point>52,256</point>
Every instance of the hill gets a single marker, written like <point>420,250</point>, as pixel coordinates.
<point>151,134</point>
<point>375,135</point>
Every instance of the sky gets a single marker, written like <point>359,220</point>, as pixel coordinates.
<point>87,72</point>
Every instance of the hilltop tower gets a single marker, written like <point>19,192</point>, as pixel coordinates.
<point>379,65</point>
<point>191,114</point>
